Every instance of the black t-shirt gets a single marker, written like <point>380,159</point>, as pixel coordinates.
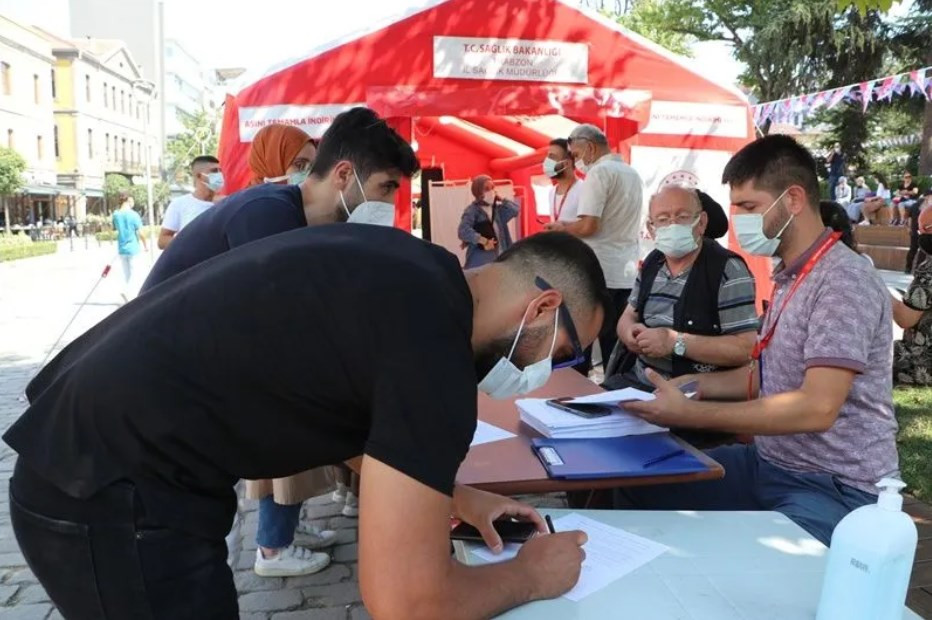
<point>909,188</point>
<point>245,216</point>
<point>300,350</point>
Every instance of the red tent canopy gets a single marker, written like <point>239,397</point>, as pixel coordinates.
<point>492,64</point>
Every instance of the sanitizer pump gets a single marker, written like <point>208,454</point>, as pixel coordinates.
<point>870,560</point>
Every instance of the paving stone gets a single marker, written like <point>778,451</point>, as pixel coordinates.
<point>32,594</point>
<point>9,560</point>
<point>6,593</point>
<point>20,576</point>
<point>26,612</point>
<point>359,612</point>
<point>319,511</point>
<point>253,616</point>
<point>246,559</point>
<point>345,553</point>
<point>335,573</point>
<point>56,615</point>
<point>337,594</point>
<point>276,600</point>
<point>249,581</point>
<point>341,522</point>
<point>312,614</point>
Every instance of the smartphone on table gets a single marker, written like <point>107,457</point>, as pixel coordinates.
<point>510,531</point>
<point>584,410</point>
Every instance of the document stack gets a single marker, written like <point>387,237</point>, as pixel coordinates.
<point>555,423</point>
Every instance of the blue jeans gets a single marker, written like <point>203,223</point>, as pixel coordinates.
<point>277,523</point>
<point>815,502</point>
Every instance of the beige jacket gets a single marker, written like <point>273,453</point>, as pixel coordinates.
<point>293,489</point>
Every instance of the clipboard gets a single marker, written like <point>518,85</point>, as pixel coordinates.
<point>633,456</point>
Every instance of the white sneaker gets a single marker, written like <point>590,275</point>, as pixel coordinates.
<point>290,562</point>
<point>339,496</point>
<point>313,537</point>
<point>351,507</point>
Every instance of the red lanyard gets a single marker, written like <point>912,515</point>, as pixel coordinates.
<point>764,340</point>
<point>556,211</point>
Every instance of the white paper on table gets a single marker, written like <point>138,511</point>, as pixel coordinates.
<point>614,397</point>
<point>509,551</point>
<point>487,433</point>
<point>611,553</point>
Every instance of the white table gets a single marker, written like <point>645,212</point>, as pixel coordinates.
<point>721,566</point>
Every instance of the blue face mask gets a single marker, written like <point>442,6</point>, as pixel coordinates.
<point>295,178</point>
<point>749,229</point>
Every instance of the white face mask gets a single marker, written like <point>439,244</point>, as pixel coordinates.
<point>505,380</point>
<point>676,240</point>
<point>582,166</point>
<point>550,168</point>
<point>372,212</point>
<point>295,178</point>
<point>214,181</point>
<point>749,229</point>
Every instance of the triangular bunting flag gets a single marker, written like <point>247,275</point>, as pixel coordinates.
<point>885,91</point>
<point>836,96</point>
<point>867,91</point>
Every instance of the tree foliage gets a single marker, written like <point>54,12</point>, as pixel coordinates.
<point>140,193</point>
<point>12,167</point>
<point>114,185</point>
<point>200,137</point>
<point>649,18</point>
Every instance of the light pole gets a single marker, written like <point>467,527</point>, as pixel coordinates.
<point>149,90</point>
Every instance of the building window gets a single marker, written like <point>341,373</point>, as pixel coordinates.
<point>90,144</point>
<point>40,148</point>
<point>113,97</point>
<point>124,151</point>
<point>10,142</point>
<point>36,89</point>
<point>107,146</point>
<point>122,102</point>
<point>54,87</point>
<point>106,99</point>
<point>6,78</point>
<point>87,88</point>
<point>55,140</point>
<point>116,147</point>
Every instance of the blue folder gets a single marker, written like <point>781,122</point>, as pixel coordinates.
<point>615,457</point>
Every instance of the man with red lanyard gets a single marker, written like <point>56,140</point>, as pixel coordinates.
<point>821,409</point>
<point>564,195</point>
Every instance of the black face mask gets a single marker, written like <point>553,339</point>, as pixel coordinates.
<point>925,243</point>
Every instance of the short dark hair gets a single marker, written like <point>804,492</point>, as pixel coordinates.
<point>204,159</point>
<point>566,263</point>
<point>835,217</point>
<point>774,163</point>
<point>360,136</point>
<point>564,144</point>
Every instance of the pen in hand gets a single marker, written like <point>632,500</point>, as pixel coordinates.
<point>549,524</point>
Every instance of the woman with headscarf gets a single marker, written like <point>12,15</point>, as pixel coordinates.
<point>484,225</point>
<point>284,154</point>
<point>281,153</point>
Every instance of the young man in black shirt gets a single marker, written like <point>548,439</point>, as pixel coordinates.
<point>360,156</point>
<point>359,340</point>
<point>359,167</point>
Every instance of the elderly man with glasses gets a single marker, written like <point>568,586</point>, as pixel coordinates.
<point>692,307</point>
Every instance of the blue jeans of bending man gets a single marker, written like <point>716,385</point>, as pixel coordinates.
<point>814,501</point>
<point>277,523</point>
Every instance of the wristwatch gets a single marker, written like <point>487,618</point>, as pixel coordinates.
<point>679,345</point>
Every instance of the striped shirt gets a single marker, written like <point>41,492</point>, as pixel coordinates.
<point>736,308</point>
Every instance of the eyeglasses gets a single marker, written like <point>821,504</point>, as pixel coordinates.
<point>579,356</point>
<point>683,219</point>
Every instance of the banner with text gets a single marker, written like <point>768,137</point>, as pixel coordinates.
<point>511,59</point>
<point>313,119</point>
<point>697,119</point>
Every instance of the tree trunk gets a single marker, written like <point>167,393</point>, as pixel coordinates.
<point>925,149</point>
<point>6,214</point>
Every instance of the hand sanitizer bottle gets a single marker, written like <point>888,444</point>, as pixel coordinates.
<point>870,560</point>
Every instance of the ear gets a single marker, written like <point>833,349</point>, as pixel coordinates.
<point>703,224</point>
<point>342,174</point>
<point>796,200</point>
<point>546,302</point>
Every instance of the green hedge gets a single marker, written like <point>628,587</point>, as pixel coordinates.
<point>8,241</point>
<point>10,251</point>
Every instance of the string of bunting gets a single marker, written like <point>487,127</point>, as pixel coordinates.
<point>911,83</point>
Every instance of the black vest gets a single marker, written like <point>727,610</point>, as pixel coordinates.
<point>696,311</point>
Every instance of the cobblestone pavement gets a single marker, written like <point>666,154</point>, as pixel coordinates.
<point>38,296</point>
